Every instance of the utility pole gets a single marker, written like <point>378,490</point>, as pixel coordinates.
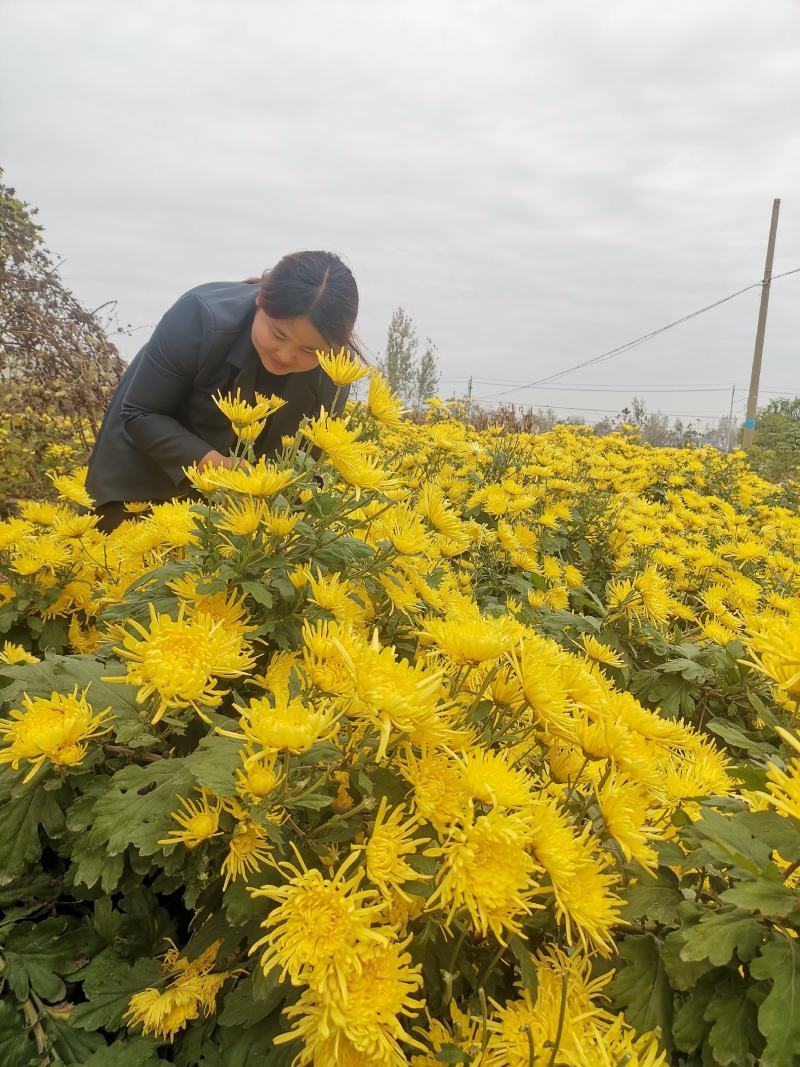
<point>469,396</point>
<point>755,374</point>
<point>729,435</point>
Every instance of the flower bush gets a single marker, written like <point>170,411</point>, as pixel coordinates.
<point>414,745</point>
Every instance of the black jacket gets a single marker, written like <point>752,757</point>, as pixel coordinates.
<point>162,418</point>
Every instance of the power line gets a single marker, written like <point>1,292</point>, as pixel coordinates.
<point>639,340</point>
<point>616,411</point>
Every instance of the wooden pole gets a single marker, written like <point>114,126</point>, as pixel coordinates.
<point>729,442</point>
<point>755,374</point>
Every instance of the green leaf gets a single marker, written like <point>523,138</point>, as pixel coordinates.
<point>248,1004</point>
<point>136,808</point>
<point>729,840</point>
<point>719,934</point>
<point>137,1052</point>
<point>37,955</point>
<point>26,808</point>
<point>654,897</point>
<point>735,735</point>
<point>16,1047</point>
<point>92,864</point>
<point>779,1014</point>
<point>259,593</point>
<point>109,982</point>
<point>72,1046</point>
<point>734,1017</point>
<point>690,1026</point>
<point>775,830</point>
<point>766,895</point>
<point>687,668</point>
<point>527,967</point>
<point>683,974</point>
<point>641,987</point>
<point>214,762</point>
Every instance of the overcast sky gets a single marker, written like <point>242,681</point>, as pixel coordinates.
<point>534,182</point>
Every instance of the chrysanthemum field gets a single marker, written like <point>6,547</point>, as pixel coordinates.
<point>417,745</point>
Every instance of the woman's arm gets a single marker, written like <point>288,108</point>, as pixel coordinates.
<point>165,370</point>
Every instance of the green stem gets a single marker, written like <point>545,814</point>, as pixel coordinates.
<point>561,1016</point>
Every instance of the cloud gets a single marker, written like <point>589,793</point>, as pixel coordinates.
<point>533,183</point>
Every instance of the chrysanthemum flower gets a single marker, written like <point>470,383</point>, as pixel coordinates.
<point>37,553</point>
<point>490,777</point>
<point>12,653</point>
<point>390,841</point>
<point>470,640</point>
<point>440,794</point>
<point>784,786</point>
<point>488,871</point>
<point>72,486</point>
<point>242,413</point>
<point>600,652</point>
<point>242,517</point>
<point>364,1014</point>
<point>259,479</point>
<point>341,367</point>
<point>392,696</point>
<point>51,729</point>
<point>382,404</point>
<point>249,432</point>
<point>180,661</point>
<point>629,814</point>
<point>332,436</point>
<point>522,1024</point>
<point>198,822</point>
<point>258,778</point>
<point>774,644</point>
<point>319,925</point>
<point>247,850</point>
<point>440,515</point>
<point>163,1013</point>
<point>287,724</point>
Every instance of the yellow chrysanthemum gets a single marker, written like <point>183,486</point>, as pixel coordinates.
<point>51,729</point>
<point>318,925</point>
<point>242,413</point>
<point>360,1022</point>
<point>179,662</point>
<point>341,367</point>
<point>384,406</point>
<point>440,794</point>
<point>11,653</point>
<point>390,842</point>
<point>72,487</point>
<point>488,871</point>
<point>600,652</point>
<point>286,724</point>
<point>198,822</point>
<point>247,850</point>
<point>261,479</point>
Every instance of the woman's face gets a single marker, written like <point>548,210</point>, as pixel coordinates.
<point>286,346</point>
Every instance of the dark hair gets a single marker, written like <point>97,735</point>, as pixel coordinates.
<point>317,286</point>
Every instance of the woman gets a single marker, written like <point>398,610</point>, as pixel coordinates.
<point>220,337</point>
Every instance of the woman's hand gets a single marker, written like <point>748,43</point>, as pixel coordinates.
<point>216,459</point>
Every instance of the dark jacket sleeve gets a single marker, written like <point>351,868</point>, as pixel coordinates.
<point>165,370</point>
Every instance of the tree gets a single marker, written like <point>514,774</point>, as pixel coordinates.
<point>776,443</point>
<point>427,382</point>
<point>54,353</point>
<point>399,363</point>
<point>58,368</point>
<point>412,377</point>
